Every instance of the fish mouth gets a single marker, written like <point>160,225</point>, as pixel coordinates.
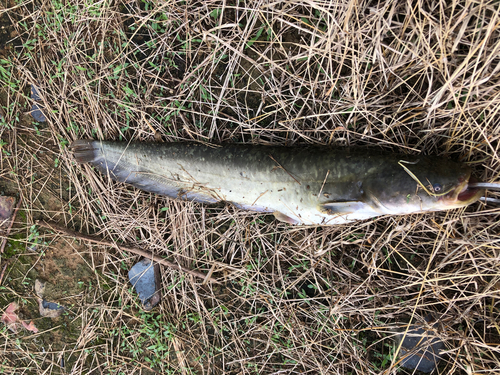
<point>464,194</point>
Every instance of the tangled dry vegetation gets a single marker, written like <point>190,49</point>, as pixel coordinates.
<point>409,76</point>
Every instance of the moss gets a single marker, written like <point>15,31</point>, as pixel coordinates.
<point>15,245</point>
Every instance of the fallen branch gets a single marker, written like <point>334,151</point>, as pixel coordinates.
<point>146,254</point>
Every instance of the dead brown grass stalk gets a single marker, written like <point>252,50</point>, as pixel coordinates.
<point>414,77</point>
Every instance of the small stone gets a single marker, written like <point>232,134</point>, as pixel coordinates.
<point>425,346</point>
<point>47,309</point>
<point>6,207</point>
<point>36,112</point>
<point>34,93</point>
<point>145,278</point>
<point>50,309</point>
<point>39,288</point>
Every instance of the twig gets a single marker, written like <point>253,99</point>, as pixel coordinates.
<point>324,182</point>
<point>297,181</point>
<point>3,271</point>
<point>146,254</point>
<point>4,241</point>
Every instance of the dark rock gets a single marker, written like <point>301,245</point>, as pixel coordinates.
<point>145,277</point>
<point>36,112</point>
<point>51,305</point>
<point>50,309</point>
<point>34,93</point>
<point>421,347</point>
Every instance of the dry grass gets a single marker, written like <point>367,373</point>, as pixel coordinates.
<point>419,76</point>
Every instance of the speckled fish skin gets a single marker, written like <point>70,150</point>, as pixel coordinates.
<point>300,185</point>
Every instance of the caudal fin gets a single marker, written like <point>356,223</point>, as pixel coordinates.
<point>85,151</point>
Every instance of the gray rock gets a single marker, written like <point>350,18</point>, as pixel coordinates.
<point>145,277</point>
<point>36,112</point>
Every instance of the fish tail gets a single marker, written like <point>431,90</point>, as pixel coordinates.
<point>137,165</point>
<point>85,151</point>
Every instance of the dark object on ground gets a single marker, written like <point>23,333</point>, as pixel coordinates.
<point>50,309</point>
<point>36,112</point>
<point>145,277</point>
<point>421,347</point>
<point>34,93</point>
<point>6,207</point>
<point>51,305</point>
<point>47,309</point>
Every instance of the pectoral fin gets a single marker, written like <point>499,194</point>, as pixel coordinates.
<point>286,219</point>
<point>343,208</point>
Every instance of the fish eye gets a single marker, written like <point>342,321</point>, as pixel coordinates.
<point>437,187</point>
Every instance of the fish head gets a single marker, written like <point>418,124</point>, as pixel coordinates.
<point>425,184</point>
